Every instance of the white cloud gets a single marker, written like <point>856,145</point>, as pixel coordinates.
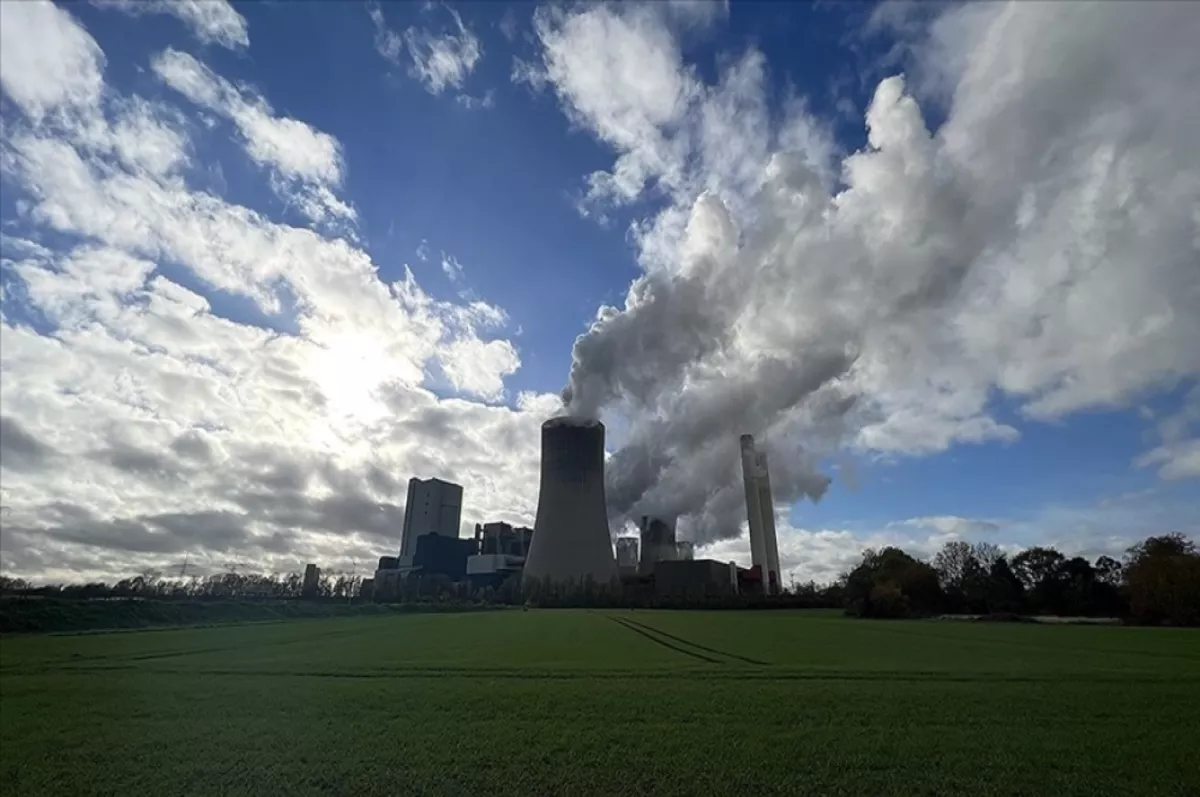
<point>47,63</point>
<point>488,100</point>
<point>509,24</point>
<point>619,74</point>
<point>1176,460</point>
<point>306,163</point>
<point>1179,455</point>
<point>439,60</point>
<point>952,524</point>
<point>478,367</point>
<point>189,430</point>
<point>388,43</point>
<point>211,21</point>
<point>1040,245</point>
<point>452,268</point>
<point>53,70</point>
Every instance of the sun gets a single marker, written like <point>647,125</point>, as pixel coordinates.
<point>349,370</point>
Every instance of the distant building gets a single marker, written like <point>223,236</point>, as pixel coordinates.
<point>657,542</point>
<point>685,550</point>
<point>498,553</point>
<point>366,590</point>
<point>388,563</point>
<point>433,506</point>
<point>502,538</point>
<point>387,584</point>
<point>493,569</point>
<point>312,581</point>
<point>627,553</point>
<point>704,578</point>
<point>440,555</point>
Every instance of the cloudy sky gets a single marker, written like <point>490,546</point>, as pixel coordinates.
<point>263,263</point>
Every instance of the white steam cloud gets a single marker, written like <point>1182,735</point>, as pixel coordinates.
<point>1041,244</point>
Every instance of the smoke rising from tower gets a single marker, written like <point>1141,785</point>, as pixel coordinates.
<point>881,299</point>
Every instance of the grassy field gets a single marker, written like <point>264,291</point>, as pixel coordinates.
<point>619,703</point>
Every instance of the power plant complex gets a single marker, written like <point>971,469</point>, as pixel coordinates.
<point>571,542</point>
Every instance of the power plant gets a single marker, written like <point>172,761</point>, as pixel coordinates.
<point>570,536</point>
<point>760,514</point>
<point>570,541</point>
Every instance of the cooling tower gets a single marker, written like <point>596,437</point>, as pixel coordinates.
<point>570,539</point>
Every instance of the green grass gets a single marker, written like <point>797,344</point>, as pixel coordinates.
<point>619,703</point>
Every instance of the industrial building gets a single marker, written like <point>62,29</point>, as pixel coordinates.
<point>627,555</point>
<point>703,578</point>
<point>760,514</point>
<point>444,556</point>
<point>433,506</point>
<point>657,542</point>
<point>499,553</point>
<point>312,581</point>
<point>432,509</point>
<point>571,539</point>
<point>502,538</point>
<point>494,554</point>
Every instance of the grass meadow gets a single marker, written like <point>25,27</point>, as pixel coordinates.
<point>603,703</point>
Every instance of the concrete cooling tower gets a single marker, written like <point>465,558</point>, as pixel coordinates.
<point>570,537</point>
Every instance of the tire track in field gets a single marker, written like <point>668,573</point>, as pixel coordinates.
<point>697,645</point>
<point>663,642</point>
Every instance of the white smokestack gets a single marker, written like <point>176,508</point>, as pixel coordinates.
<point>766,508</point>
<point>754,512</point>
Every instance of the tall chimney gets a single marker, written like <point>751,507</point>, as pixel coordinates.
<point>754,514</point>
<point>766,507</point>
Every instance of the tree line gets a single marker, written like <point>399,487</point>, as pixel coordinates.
<point>1158,582</point>
<point>219,586</point>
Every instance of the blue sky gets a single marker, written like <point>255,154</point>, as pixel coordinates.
<point>993,410</point>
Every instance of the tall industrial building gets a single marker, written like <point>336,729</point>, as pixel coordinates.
<point>433,507</point>
<point>685,550</point>
<point>760,512</point>
<point>570,536</point>
<point>312,581</point>
<point>658,542</point>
